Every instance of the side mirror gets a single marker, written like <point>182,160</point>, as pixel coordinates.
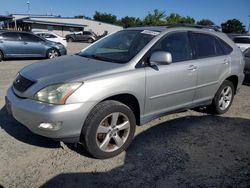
<point>161,58</point>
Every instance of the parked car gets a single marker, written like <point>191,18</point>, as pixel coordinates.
<point>98,96</point>
<point>51,37</point>
<point>86,36</point>
<point>17,44</point>
<point>247,59</point>
<point>242,41</point>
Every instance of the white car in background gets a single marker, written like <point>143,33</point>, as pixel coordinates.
<point>51,37</point>
<point>242,41</point>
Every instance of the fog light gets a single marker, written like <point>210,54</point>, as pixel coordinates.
<point>51,126</point>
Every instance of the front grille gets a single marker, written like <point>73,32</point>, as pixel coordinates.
<point>21,84</point>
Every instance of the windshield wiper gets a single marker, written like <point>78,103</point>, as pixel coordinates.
<point>101,58</point>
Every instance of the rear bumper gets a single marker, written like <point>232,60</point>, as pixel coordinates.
<point>32,113</point>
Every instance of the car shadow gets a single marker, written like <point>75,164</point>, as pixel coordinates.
<point>192,151</point>
<point>22,59</point>
<point>23,134</point>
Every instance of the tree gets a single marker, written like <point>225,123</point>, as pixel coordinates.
<point>130,21</point>
<point>233,26</point>
<point>176,18</point>
<point>155,18</point>
<point>205,22</point>
<point>105,17</point>
<point>82,16</point>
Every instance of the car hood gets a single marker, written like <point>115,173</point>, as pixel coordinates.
<point>67,69</point>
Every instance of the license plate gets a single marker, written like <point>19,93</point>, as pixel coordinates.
<point>8,106</point>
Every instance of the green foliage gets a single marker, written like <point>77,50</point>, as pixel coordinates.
<point>176,18</point>
<point>205,22</point>
<point>155,18</point>
<point>105,17</point>
<point>233,26</point>
<point>130,21</point>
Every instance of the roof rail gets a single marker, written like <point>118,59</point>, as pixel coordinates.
<point>213,27</point>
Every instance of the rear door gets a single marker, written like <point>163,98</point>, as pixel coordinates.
<point>12,45</point>
<point>212,64</point>
<point>33,46</point>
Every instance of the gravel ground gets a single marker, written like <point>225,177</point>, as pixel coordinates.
<point>189,149</point>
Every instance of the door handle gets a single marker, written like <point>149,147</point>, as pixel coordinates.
<point>25,42</point>
<point>226,61</point>
<point>192,67</point>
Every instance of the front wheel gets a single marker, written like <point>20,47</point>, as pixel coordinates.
<point>52,53</point>
<point>223,98</point>
<point>109,129</point>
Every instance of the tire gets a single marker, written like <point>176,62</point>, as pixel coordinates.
<point>90,40</point>
<point>223,98</point>
<point>52,53</point>
<point>1,56</point>
<point>70,39</point>
<point>98,128</point>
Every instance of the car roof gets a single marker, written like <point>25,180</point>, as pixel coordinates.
<point>173,26</point>
<point>13,31</point>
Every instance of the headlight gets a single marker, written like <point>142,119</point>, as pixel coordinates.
<point>57,94</point>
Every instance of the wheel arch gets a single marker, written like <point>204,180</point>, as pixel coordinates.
<point>235,80</point>
<point>131,101</point>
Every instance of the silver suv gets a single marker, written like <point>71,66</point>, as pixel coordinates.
<point>98,96</point>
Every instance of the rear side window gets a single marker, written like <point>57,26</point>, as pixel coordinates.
<point>29,38</point>
<point>10,36</point>
<point>205,45</point>
<point>86,33</point>
<point>225,47</point>
<point>242,40</point>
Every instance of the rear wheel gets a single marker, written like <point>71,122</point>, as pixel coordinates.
<point>90,40</point>
<point>223,98</point>
<point>52,53</point>
<point>109,129</point>
<point>70,39</point>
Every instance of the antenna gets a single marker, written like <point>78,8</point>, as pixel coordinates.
<point>51,11</point>
<point>28,7</point>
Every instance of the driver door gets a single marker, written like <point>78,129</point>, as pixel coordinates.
<point>171,87</point>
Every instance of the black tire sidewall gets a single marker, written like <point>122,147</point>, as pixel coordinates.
<point>216,108</point>
<point>90,40</point>
<point>92,125</point>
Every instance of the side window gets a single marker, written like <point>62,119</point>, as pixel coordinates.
<point>205,45</point>
<point>86,33</point>
<point>225,47</point>
<point>29,38</point>
<point>177,44</point>
<point>49,36</point>
<point>242,40</point>
<point>218,48</point>
<point>10,36</point>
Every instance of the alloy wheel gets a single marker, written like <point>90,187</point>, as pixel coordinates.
<point>53,53</point>
<point>225,98</point>
<point>112,132</point>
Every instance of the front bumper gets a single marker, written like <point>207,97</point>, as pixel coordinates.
<point>63,51</point>
<point>32,113</point>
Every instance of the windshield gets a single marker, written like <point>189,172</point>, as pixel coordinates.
<point>120,47</point>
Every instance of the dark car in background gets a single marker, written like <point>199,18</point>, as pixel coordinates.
<point>247,65</point>
<point>86,36</point>
<point>19,44</point>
